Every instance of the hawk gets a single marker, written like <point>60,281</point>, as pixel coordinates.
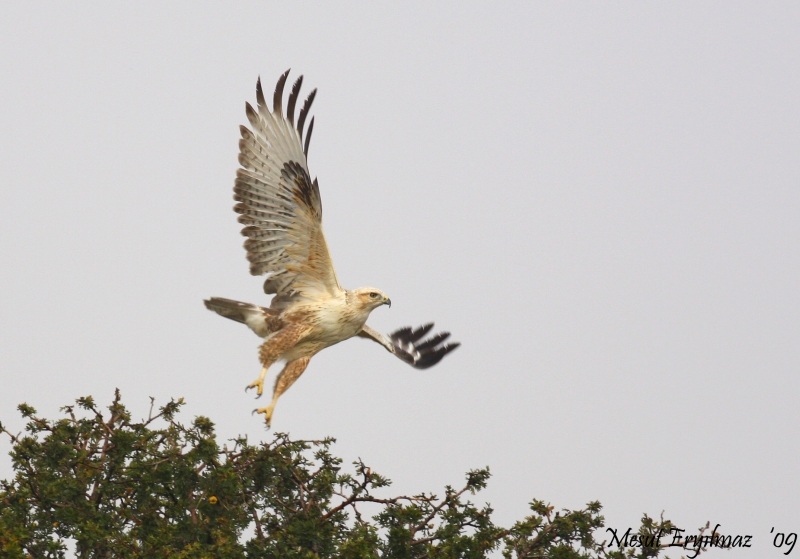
<point>280,207</point>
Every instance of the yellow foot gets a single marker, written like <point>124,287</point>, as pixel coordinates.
<point>258,384</point>
<point>267,411</point>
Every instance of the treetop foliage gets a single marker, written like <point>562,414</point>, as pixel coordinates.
<point>100,484</point>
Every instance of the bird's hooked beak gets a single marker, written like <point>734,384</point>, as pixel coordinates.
<point>388,301</point>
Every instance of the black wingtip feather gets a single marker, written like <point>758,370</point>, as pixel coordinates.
<point>260,94</point>
<point>434,357</point>
<point>424,354</point>
<point>304,111</point>
<point>434,341</point>
<point>277,98</point>
<point>252,114</point>
<point>420,332</point>
<point>308,136</point>
<point>411,335</point>
<point>293,99</point>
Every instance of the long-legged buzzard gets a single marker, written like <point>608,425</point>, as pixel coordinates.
<point>281,209</point>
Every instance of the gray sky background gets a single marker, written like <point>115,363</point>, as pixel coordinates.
<point>600,200</point>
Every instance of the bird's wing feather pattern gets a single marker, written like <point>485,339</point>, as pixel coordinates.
<point>409,344</point>
<point>278,202</point>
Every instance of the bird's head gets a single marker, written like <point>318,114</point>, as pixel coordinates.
<point>369,298</point>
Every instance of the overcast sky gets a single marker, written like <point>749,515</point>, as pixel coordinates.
<point>600,200</point>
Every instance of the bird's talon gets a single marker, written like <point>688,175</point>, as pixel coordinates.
<point>258,385</point>
<point>267,411</point>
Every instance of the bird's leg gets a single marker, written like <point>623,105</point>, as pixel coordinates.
<point>268,353</point>
<point>290,373</point>
<point>271,350</point>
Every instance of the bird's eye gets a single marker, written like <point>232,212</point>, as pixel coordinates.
<point>373,295</point>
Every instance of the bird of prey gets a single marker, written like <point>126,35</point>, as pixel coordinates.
<point>280,207</point>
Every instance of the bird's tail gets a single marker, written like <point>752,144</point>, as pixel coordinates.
<point>261,320</point>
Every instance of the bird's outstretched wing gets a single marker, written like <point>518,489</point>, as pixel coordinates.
<point>409,344</point>
<point>278,202</point>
